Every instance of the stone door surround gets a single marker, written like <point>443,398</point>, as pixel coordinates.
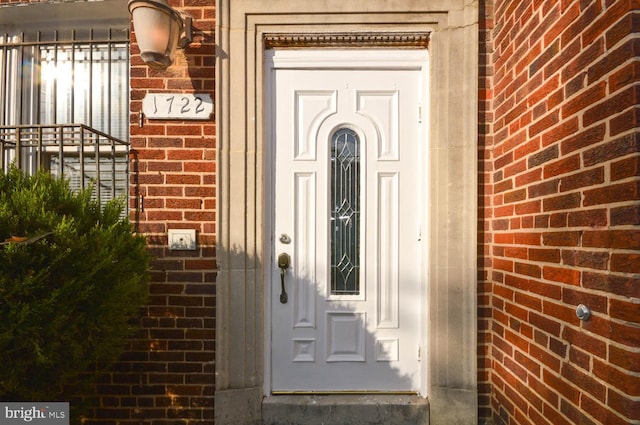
<point>245,28</point>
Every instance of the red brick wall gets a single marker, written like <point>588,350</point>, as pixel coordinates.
<point>167,375</point>
<point>563,198</point>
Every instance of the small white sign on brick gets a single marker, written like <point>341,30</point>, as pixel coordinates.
<point>182,239</point>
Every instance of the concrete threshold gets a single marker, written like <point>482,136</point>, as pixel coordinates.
<point>347,409</point>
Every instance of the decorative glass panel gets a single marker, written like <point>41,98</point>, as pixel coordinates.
<point>345,213</point>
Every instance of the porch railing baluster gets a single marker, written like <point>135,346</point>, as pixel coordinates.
<point>81,154</point>
<point>64,145</point>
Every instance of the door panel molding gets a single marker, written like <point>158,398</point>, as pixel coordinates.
<point>376,120</point>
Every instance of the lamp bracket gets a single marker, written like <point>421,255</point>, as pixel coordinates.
<point>186,35</point>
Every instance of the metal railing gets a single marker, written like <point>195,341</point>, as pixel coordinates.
<point>76,152</point>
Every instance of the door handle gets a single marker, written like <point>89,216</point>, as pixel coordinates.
<point>283,263</point>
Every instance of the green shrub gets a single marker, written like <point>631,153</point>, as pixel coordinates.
<point>68,293</point>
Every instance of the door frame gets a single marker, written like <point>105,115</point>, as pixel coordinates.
<point>351,59</point>
<point>242,31</point>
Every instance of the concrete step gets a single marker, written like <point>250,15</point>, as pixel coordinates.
<point>338,409</point>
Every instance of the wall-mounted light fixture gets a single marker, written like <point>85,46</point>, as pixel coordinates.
<point>159,29</point>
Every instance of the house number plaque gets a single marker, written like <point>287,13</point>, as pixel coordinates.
<point>177,106</point>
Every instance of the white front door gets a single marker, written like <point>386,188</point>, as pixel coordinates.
<point>346,192</point>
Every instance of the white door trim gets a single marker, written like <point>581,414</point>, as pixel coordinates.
<point>327,59</point>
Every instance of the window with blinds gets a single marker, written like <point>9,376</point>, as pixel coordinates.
<point>71,79</point>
